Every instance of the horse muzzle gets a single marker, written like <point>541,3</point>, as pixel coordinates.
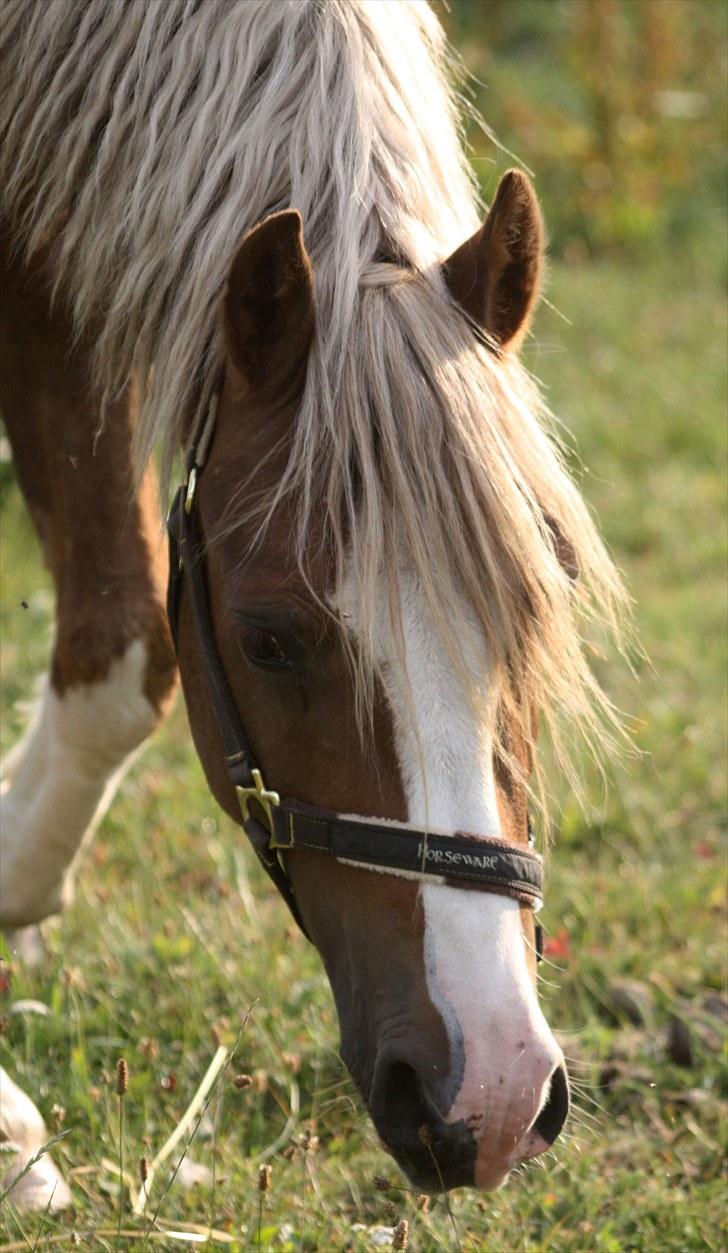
<point>437,1155</point>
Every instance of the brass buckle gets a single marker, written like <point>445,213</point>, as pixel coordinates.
<point>264,798</point>
<point>279,845</point>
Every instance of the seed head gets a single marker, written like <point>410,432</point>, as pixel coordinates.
<point>425,1135</point>
<point>309,1141</point>
<point>400,1235</point>
<point>382,1183</point>
<point>143,1169</point>
<point>263,1178</point>
<point>242,1081</point>
<point>122,1076</point>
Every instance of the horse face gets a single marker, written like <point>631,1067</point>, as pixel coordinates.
<point>434,985</point>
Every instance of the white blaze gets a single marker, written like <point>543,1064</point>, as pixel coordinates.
<point>475,953</point>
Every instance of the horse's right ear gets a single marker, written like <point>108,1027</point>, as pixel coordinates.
<point>494,276</point>
<point>269,309</point>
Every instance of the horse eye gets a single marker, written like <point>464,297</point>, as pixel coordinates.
<point>263,648</point>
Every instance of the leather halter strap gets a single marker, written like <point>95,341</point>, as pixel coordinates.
<point>276,825</point>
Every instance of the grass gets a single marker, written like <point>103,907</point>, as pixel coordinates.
<point>175,943</point>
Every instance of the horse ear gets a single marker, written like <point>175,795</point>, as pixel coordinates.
<point>495,274</point>
<point>269,309</point>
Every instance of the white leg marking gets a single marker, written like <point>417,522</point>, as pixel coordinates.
<point>33,711</point>
<point>73,759</point>
<point>23,1132</point>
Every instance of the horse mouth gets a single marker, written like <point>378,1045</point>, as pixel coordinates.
<point>439,1166</point>
<point>442,1156</point>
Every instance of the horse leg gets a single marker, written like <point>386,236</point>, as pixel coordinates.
<point>39,1186</point>
<point>112,671</point>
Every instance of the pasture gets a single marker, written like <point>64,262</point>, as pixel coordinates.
<point>175,939</point>
<point>176,944</point>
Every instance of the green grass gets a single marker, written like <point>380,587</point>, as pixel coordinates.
<point>175,941</point>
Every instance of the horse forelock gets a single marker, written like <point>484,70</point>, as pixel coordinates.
<point>442,464</point>
<point>147,139</point>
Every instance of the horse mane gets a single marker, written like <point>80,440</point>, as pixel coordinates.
<point>143,141</point>
<point>146,139</point>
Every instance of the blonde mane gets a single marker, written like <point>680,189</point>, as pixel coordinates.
<point>143,140</point>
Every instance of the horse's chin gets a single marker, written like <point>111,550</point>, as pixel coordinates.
<point>490,1177</point>
<point>484,1178</point>
<point>434,1180</point>
<point>485,1174</point>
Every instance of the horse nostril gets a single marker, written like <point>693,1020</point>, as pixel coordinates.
<point>555,1111</point>
<point>398,1097</point>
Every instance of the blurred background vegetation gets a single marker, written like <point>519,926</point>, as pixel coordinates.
<point>618,106</point>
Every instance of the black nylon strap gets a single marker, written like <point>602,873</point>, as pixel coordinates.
<point>185,561</point>
<point>490,864</point>
<point>188,551</point>
<point>174,581</point>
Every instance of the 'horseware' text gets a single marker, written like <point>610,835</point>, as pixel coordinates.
<point>448,858</point>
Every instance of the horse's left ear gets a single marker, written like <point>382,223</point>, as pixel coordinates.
<point>269,307</point>
<point>495,274</point>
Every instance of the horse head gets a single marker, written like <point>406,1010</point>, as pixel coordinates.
<point>358,700</point>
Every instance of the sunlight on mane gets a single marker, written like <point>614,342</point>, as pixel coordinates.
<point>145,140</point>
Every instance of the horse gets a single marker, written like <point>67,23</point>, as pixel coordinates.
<point>245,234</point>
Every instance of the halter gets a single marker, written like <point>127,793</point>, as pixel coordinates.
<point>273,825</point>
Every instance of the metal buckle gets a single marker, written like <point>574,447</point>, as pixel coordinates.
<point>191,487</point>
<point>264,798</point>
<point>281,845</point>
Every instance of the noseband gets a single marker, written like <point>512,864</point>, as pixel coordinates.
<point>273,825</point>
